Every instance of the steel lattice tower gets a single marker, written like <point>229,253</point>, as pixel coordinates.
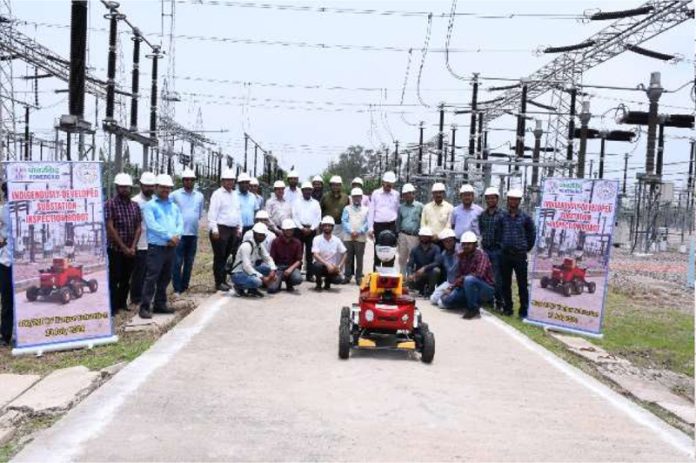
<point>7,101</point>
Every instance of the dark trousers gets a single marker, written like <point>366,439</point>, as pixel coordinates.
<point>7,303</point>
<point>377,228</point>
<point>158,274</point>
<point>225,245</point>
<point>138,276</point>
<point>431,278</point>
<point>494,257</point>
<point>355,251</point>
<point>307,242</point>
<point>185,254</point>
<point>120,270</point>
<point>320,271</point>
<point>518,264</point>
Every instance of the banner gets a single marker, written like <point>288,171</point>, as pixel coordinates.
<point>59,274</point>
<point>570,264</point>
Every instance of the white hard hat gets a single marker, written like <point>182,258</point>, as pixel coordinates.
<point>515,193</point>
<point>328,220</point>
<point>356,192</point>
<point>317,178</point>
<point>165,180</point>
<point>389,177</point>
<point>306,185</point>
<point>148,178</point>
<point>243,177</point>
<point>260,228</point>
<point>438,187</point>
<point>262,215</point>
<point>446,233</point>
<point>336,179</point>
<point>279,184</point>
<point>293,174</point>
<point>188,173</point>
<point>408,188</point>
<point>491,190</point>
<point>288,224</point>
<point>466,189</point>
<point>468,237</point>
<point>357,180</point>
<point>228,174</point>
<point>425,231</point>
<point>254,181</point>
<point>123,179</point>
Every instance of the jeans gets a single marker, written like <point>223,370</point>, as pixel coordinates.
<point>138,276</point>
<point>438,293</point>
<point>158,274</point>
<point>120,269</point>
<point>470,295</point>
<point>7,303</point>
<point>294,279</point>
<point>243,281</point>
<point>226,244</point>
<point>517,264</point>
<point>185,254</point>
<point>494,257</point>
<point>355,251</point>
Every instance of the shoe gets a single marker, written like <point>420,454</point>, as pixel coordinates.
<point>310,278</point>
<point>498,306</point>
<point>5,343</point>
<point>253,292</point>
<point>145,313</point>
<point>522,315</point>
<point>223,287</point>
<point>239,291</point>
<point>126,308</point>
<point>327,283</point>
<point>507,312</point>
<point>290,288</point>
<point>164,309</point>
<point>346,280</point>
<point>471,314</point>
<point>317,287</point>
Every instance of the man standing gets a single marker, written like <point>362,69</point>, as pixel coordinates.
<point>278,208</point>
<point>292,192</point>
<point>354,222</point>
<point>123,231</point>
<point>190,203</point>
<point>437,214</point>
<point>286,252</point>
<point>358,183</point>
<point>247,276</point>
<point>422,271</point>
<point>6,292</point>
<point>383,209</point>
<point>329,255</point>
<point>255,189</point>
<point>448,262</point>
<point>147,189</point>
<point>407,224</point>
<point>516,235</point>
<point>165,226</point>
<point>224,223</point>
<point>333,201</point>
<point>247,202</point>
<point>317,187</point>
<point>306,213</point>
<point>465,217</point>
<point>474,283</point>
<point>488,221</point>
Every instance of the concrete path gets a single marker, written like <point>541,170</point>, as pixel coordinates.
<point>260,380</point>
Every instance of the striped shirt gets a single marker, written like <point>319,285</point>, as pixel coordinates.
<point>488,222</point>
<point>126,217</point>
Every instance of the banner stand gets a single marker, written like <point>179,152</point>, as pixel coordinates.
<point>40,350</point>
<point>562,329</point>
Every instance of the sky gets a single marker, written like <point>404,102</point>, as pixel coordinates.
<point>262,89</point>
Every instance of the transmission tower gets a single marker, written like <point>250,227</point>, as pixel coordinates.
<point>169,95</point>
<point>7,101</point>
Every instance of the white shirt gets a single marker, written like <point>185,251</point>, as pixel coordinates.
<point>278,211</point>
<point>306,212</point>
<point>290,196</point>
<point>141,200</point>
<point>224,210</point>
<point>249,235</point>
<point>248,253</point>
<point>329,250</point>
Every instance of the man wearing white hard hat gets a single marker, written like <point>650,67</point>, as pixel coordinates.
<point>422,271</point>
<point>437,214</point>
<point>334,200</point>
<point>317,187</point>
<point>306,212</point>
<point>474,283</point>
<point>252,266</point>
<point>123,228</point>
<point>329,255</point>
<point>358,183</point>
<point>286,252</point>
<point>278,208</point>
<point>354,224</point>
<point>407,224</point>
<point>488,226</point>
<point>148,180</point>
<point>383,209</point>
<point>264,218</point>
<point>448,262</point>
<point>190,203</point>
<point>292,191</point>
<point>465,216</point>
<point>224,225</point>
<point>517,236</point>
<point>255,189</point>
<point>165,225</point>
<point>247,201</point>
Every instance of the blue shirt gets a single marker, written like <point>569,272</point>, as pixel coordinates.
<point>248,207</point>
<point>163,220</point>
<point>516,234</point>
<point>464,220</point>
<point>191,206</point>
<point>422,258</point>
<point>449,264</point>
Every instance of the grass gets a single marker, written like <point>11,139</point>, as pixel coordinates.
<point>27,428</point>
